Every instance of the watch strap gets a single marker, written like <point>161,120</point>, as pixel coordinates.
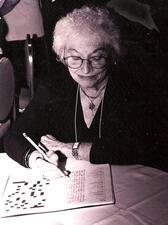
<point>75,150</point>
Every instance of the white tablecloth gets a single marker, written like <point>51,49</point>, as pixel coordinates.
<point>141,199</point>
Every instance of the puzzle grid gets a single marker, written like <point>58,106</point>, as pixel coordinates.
<point>23,195</point>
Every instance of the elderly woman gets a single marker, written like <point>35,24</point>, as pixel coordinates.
<point>96,116</point>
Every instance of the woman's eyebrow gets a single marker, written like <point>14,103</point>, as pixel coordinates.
<point>72,49</point>
<point>95,51</point>
<point>99,49</point>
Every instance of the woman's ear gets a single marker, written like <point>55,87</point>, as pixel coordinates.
<point>58,58</point>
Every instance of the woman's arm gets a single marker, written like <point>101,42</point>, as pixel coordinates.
<point>32,121</point>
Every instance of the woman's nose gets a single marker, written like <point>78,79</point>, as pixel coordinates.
<point>86,67</point>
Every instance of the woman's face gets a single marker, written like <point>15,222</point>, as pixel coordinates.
<point>89,72</point>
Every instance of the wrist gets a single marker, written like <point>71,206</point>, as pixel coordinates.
<point>27,156</point>
<point>75,150</point>
<point>82,151</point>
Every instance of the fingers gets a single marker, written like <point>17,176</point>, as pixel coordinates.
<point>47,137</point>
<point>53,157</point>
<point>55,145</point>
<point>42,167</point>
<point>48,169</point>
<point>51,137</point>
<point>50,142</point>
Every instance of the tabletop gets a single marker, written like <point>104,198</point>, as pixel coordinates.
<point>141,199</point>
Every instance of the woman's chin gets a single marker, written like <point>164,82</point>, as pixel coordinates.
<point>86,86</point>
<point>87,82</point>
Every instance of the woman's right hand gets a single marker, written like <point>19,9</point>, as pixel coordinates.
<point>43,167</point>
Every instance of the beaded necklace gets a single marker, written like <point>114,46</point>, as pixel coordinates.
<point>92,98</point>
<point>75,115</point>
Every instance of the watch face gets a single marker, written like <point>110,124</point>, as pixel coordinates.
<point>76,145</point>
<point>75,149</point>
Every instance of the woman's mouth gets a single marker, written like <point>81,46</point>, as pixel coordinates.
<point>87,77</point>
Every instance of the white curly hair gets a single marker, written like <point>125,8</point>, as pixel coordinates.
<point>88,19</point>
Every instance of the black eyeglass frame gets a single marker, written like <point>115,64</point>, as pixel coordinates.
<point>89,61</point>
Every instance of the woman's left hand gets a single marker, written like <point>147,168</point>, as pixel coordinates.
<point>52,144</point>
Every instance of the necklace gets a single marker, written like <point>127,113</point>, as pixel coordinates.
<point>75,116</point>
<point>93,98</point>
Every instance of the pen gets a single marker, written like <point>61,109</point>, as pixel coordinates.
<point>41,150</point>
<point>43,147</point>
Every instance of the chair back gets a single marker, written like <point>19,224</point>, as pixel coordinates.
<point>27,93</point>
<point>29,64</point>
<point>7,89</point>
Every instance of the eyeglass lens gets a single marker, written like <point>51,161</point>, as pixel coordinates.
<point>76,62</point>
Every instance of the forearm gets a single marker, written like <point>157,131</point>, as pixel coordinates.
<point>16,146</point>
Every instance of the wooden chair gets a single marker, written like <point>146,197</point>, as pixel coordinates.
<point>27,93</point>
<point>36,63</point>
<point>29,64</point>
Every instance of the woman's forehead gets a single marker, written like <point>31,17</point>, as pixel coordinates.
<point>88,49</point>
<point>85,37</point>
<point>85,42</point>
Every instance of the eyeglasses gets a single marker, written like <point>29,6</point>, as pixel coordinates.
<point>76,62</point>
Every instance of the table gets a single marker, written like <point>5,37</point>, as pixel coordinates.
<point>141,199</point>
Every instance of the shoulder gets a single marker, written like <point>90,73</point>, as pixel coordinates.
<point>128,77</point>
<point>55,91</point>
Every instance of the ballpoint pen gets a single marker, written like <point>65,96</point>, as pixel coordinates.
<point>41,149</point>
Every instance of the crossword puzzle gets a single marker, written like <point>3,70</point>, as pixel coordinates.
<point>30,193</point>
<point>26,195</point>
<point>34,195</point>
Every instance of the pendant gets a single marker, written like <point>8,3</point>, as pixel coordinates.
<point>91,105</point>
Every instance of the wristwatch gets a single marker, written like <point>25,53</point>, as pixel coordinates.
<point>75,150</point>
